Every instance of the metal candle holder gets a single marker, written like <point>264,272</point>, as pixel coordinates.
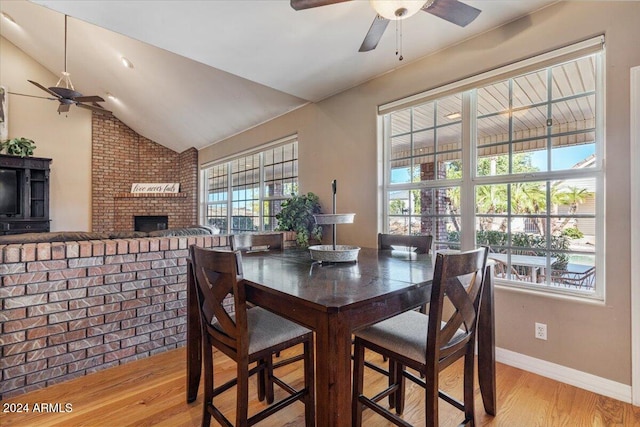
<point>333,252</point>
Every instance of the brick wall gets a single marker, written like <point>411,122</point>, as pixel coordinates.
<point>122,157</point>
<point>69,309</point>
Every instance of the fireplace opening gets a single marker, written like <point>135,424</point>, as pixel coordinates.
<point>150,223</point>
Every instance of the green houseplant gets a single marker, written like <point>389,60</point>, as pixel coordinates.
<point>297,215</point>
<point>22,147</point>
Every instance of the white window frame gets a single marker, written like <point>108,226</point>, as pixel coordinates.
<point>227,161</point>
<point>470,180</point>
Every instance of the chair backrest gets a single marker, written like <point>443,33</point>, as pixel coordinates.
<point>419,244</point>
<point>458,278</point>
<point>251,242</point>
<point>218,273</point>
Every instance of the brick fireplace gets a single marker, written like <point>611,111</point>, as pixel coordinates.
<point>121,157</point>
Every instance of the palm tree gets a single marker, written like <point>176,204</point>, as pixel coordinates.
<point>529,198</point>
<point>491,199</point>
<point>572,197</point>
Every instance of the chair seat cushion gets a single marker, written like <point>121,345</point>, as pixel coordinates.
<point>404,334</point>
<point>267,329</point>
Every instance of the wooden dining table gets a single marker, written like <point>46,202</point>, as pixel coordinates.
<point>334,300</point>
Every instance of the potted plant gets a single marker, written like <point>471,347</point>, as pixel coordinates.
<point>22,147</point>
<point>297,215</point>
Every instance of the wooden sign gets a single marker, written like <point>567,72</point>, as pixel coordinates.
<point>171,187</point>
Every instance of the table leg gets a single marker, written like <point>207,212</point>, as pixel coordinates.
<point>333,374</point>
<point>486,346</point>
<point>194,339</point>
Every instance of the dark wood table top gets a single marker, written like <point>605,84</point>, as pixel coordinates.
<point>337,286</point>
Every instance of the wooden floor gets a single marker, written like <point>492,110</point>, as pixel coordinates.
<point>151,392</point>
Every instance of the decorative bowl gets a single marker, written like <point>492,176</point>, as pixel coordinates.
<point>322,219</point>
<point>342,253</point>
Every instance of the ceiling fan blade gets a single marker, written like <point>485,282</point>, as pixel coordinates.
<point>453,11</point>
<point>33,96</point>
<point>63,108</point>
<point>44,88</point>
<point>374,34</point>
<point>308,4</point>
<point>95,108</point>
<point>89,98</point>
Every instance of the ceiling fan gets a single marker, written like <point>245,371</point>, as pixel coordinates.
<point>453,11</point>
<point>64,92</point>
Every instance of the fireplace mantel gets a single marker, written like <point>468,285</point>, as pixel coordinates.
<point>150,195</point>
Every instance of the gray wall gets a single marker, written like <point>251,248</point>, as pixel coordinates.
<point>338,140</point>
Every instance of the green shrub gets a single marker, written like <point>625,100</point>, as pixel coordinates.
<point>573,233</point>
<point>522,243</point>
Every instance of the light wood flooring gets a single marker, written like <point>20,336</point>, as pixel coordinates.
<point>151,392</point>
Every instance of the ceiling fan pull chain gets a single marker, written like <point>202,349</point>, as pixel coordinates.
<point>397,50</point>
<point>400,58</point>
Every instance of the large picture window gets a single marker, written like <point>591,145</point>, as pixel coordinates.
<point>514,162</point>
<point>244,194</point>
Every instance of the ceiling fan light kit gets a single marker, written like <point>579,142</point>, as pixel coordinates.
<point>395,10</point>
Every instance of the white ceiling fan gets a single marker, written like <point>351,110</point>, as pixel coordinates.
<point>453,11</point>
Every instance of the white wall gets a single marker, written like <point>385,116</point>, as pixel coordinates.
<point>64,138</point>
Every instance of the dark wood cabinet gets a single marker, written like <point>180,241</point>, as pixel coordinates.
<point>24,194</point>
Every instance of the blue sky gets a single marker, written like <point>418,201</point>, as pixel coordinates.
<point>563,158</point>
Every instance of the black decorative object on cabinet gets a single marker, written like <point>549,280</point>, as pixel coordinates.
<point>24,194</point>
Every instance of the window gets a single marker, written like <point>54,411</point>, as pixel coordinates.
<point>513,160</point>
<point>244,194</point>
<point>425,152</point>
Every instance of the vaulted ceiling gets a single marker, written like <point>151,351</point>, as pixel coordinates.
<point>206,70</point>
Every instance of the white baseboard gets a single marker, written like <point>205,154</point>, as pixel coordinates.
<point>565,375</point>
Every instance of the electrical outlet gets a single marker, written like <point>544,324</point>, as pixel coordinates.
<point>541,331</point>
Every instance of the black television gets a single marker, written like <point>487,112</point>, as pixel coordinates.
<point>9,193</point>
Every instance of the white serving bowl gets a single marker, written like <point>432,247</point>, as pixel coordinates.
<point>323,219</point>
<point>342,253</point>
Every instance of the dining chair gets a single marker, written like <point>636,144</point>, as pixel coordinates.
<point>501,269</point>
<point>247,336</point>
<point>258,242</point>
<point>248,242</point>
<point>426,343</point>
<point>580,276</point>
<point>417,243</point>
<point>420,244</point>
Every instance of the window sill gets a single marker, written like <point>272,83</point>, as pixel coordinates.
<point>595,300</point>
